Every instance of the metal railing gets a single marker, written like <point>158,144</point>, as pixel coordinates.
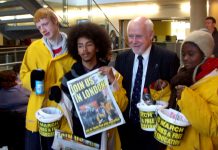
<point>10,56</point>
<point>14,55</point>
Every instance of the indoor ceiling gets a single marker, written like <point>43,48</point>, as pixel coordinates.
<point>17,28</point>
<point>84,2</point>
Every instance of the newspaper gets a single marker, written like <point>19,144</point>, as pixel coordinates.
<point>95,103</point>
<point>66,106</point>
<point>67,141</point>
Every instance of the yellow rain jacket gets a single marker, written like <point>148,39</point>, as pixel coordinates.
<point>122,101</point>
<point>199,103</point>
<point>119,93</point>
<point>38,56</point>
<point>161,95</point>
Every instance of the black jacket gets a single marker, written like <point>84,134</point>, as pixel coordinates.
<point>162,64</point>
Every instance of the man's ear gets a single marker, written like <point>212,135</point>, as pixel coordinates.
<point>151,35</point>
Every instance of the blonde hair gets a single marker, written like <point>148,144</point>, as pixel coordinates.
<point>45,13</point>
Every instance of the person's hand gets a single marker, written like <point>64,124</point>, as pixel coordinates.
<point>55,94</point>
<point>179,89</point>
<point>109,72</point>
<point>160,84</point>
<point>36,75</point>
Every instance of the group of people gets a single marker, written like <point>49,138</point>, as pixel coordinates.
<point>57,58</point>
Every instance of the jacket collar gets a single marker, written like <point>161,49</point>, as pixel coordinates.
<point>80,70</point>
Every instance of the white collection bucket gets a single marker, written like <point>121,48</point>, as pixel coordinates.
<point>48,119</point>
<point>170,128</point>
<point>148,113</point>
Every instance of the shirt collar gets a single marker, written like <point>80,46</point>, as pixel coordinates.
<point>145,54</point>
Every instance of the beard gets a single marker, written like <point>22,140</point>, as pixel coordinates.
<point>138,51</point>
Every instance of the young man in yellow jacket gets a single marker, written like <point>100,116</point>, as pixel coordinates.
<point>46,60</point>
<point>89,44</point>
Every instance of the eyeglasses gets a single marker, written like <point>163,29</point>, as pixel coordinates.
<point>132,36</point>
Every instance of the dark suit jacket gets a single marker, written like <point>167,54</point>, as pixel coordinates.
<point>215,37</point>
<point>162,64</point>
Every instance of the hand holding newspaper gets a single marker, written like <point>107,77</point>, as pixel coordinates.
<point>95,103</point>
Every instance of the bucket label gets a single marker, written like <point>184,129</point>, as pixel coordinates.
<point>165,140</point>
<point>168,133</point>
<point>48,129</point>
<point>169,126</point>
<point>147,120</point>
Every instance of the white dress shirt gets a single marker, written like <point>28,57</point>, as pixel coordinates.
<point>145,56</point>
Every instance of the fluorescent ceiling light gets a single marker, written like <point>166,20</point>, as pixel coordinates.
<point>16,17</point>
<point>185,7</point>
<point>2,1</point>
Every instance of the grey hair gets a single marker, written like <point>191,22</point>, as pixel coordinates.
<point>149,26</point>
<point>147,22</point>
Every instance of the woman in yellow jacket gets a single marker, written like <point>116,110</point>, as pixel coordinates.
<point>90,45</point>
<point>195,93</point>
<point>46,59</point>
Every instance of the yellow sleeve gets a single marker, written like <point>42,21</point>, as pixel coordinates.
<point>119,92</point>
<point>25,72</point>
<point>163,94</point>
<point>202,115</point>
<point>64,126</point>
<point>113,140</point>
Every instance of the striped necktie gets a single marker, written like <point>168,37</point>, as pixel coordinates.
<point>136,93</point>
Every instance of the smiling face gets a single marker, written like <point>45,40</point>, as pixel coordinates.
<point>191,55</point>
<point>47,28</point>
<point>87,51</point>
<point>139,37</point>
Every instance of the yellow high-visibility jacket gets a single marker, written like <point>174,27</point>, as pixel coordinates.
<point>122,101</point>
<point>199,103</point>
<point>161,95</point>
<point>38,56</point>
<point>119,93</point>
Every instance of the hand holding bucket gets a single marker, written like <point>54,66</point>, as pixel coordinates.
<point>147,114</point>
<point>170,127</point>
<point>48,118</point>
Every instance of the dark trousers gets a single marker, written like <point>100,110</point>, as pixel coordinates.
<point>133,137</point>
<point>12,129</point>
<point>33,141</point>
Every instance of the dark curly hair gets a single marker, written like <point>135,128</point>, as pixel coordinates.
<point>92,31</point>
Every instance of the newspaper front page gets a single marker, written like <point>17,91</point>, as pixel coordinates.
<point>95,103</point>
